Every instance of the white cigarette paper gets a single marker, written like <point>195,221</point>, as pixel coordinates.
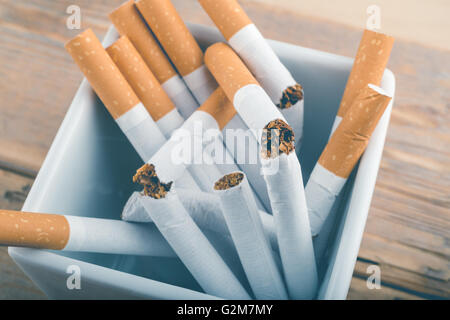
<point>171,160</point>
<point>179,93</point>
<point>282,172</point>
<point>246,229</point>
<point>292,226</point>
<point>243,36</point>
<point>81,234</point>
<point>205,210</point>
<point>193,248</point>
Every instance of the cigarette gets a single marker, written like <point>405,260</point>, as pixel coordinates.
<point>246,229</point>
<point>205,210</point>
<point>116,94</point>
<point>130,23</point>
<point>119,98</point>
<point>169,160</point>
<point>343,152</point>
<point>369,65</point>
<point>145,85</point>
<point>186,239</point>
<point>287,196</point>
<point>249,99</point>
<point>179,44</point>
<point>243,36</point>
<point>81,234</point>
<point>220,108</point>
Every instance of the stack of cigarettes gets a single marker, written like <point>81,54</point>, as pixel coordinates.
<point>177,105</point>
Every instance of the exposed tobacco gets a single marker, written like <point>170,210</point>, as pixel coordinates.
<point>229,181</point>
<point>278,137</point>
<point>153,187</point>
<point>291,96</point>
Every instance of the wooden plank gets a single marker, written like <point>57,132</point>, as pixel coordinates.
<point>404,280</point>
<point>408,230</point>
<point>14,284</point>
<point>360,291</point>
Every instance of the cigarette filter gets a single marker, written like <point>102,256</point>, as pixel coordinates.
<point>205,210</point>
<point>145,85</point>
<point>116,94</point>
<point>179,45</point>
<point>129,22</point>
<point>72,233</point>
<point>370,61</point>
<point>246,229</point>
<point>187,240</point>
<point>343,152</point>
<point>287,196</point>
<point>250,100</point>
<point>243,36</point>
<point>118,97</point>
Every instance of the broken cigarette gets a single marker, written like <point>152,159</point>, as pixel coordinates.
<point>130,23</point>
<point>82,234</point>
<point>243,36</point>
<point>203,207</point>
<point>179,44</point>
<point>343,152</point>
<point>186,239</point>
<point>369,65</point>
<point>145,85</point>
<point>250,100</point>
<point>246,229</point>
<point>287,196</point>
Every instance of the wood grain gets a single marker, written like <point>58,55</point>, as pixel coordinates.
<point>407,232</point>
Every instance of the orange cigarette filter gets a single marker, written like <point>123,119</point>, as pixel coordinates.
<point>35,230</point>
<point>130,23</point>
<point>101,72</point>
<point>219,107</point>
<point>173,34</point>
<point>352,135</point>
<point>141,79</point>
<point>368,67</point>
<point>227,15</point>
<point>228,69</point>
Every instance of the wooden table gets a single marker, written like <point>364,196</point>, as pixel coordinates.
<point>407,233</point>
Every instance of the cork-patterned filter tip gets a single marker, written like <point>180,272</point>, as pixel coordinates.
<point>369,65</point>
<point>227,15</point>
<point>351,137</point>
<point>172,33</point>
<point>101,72</point>
<point>35,230</point>
<point>228,69</point>
<point>128,22</point>
<point>141,79</point>
<point>219,107</point>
